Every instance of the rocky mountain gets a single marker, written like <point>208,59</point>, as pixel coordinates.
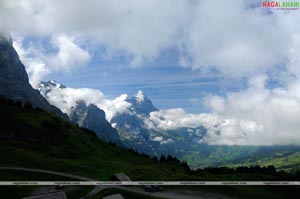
<point>141,104</point>
<point>84,114</point>
<point>133,130</point>
<point>93,118</point>
<point>132,127</point>
<point>14,82</point>
<point>184,143</point>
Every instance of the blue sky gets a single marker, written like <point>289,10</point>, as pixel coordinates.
<point>162,79</point>
<point>166,86</point>
<point>166,83</point>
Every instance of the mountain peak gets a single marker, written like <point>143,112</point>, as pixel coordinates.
<point>141,104</point>
<point>48,86</point>
<point>51,84</point>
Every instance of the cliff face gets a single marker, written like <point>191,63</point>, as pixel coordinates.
<point>14,82</point>
<point>93,118</point>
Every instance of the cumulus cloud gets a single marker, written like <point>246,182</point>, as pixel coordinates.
<point>161,140</point>
<point>171,119</point>
<point>157,138</point>
<point>255,116</point>
<point>142,28</point>
<point>69,54</point>
<point>39,64</point>
<point>65,98</point>
<point>237,38</point>
<point>167,141</point>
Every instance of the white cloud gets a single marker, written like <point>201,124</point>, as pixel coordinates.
<point>178,118</point>
<point>40,64</point>
<point>69,53</point>
<point>142,28</point>
<point>157,138</point>
<point>255,116</point>
<point>238,38</point>
<point>167,141</point>
<point>67,97</point>
<point>258,116</point>
<point>161,140</point>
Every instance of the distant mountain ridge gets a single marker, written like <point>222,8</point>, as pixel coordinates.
<point>14,82</point>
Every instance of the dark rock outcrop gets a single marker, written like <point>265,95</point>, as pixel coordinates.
<point>93,118</point>
<point>14,82</point>
<point>141,104</point>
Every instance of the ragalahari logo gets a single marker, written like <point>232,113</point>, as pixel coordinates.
<point>284,5</point>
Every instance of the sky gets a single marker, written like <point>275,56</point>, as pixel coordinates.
<point>232,66</point>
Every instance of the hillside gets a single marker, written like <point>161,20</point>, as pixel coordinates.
<point>282,157</point>
<point>34,138</point>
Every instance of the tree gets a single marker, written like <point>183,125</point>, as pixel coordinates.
<point>162,158</point>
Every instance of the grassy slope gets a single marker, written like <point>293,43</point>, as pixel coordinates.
<point>54,144</point>
<point>215,156</point>
<point>286,158</point>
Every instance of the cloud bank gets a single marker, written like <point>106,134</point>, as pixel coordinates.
<point>66,98</point>
<point>237,38</point>
<point>255,116</point>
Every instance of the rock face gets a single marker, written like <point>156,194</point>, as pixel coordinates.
<point>132,121</point>
<point>93,118</point>
<point>131,125</point>
<point>141,104</point>
<point>14,82</point>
